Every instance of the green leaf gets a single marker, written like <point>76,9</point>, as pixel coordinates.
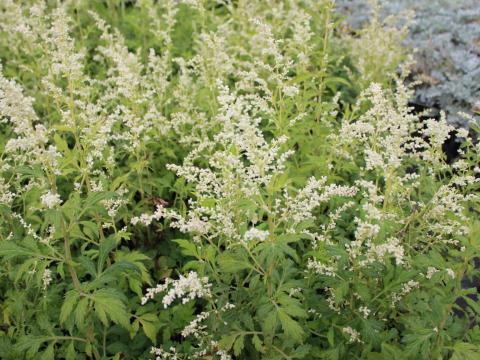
<point>31,344</point>
<point>70,353</point>
<point>81,312</point>
<point>238,346</point>
<point>88,349</point>
<point>230,265</point>
<point>90,229</point>
<point>465,351</point>
<point>258,344</point>
<point>9,250</point>
<point>270,323</point>
<point>226,342</point>
<point>61,144</point>
<point>61,270</point>
<point>114,272</point>
<point>188,247</point>
<point>149,328</point>
<point>418,344</point>
<point>473,304</point>
<point>291,328</point>
<point>71,299</point>
<point>291,306</point>
<point>94,198</point>
<point>391,352</point>
<point>331,336</point>
<point>106,246</point>
<point>49,354</point>
<point>301,352</point>
<point>138,259</point>
<point>107,303</point>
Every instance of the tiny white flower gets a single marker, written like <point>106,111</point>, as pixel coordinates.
<point>46,278</point>
<point>354,334</point>
<point>365,311</point>
<point>50,199</point>
<point>450,273</point>
<point>257,234</point>
<point>186,288</point>
<point>430,272</point>
<point>290,90</point>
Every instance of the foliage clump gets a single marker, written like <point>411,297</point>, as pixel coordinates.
<point>228,180</point>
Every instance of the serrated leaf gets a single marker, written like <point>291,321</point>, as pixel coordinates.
<point>391,351</point>
<point>238,345</point>
<point>229,264</point>
<point>188,248</point>
<point>291,306</point>
<point>331,336</point>
<point>81,312</point>
<point>107,303</point>
<point>49,354</point>
<point>31,344</point>
<point>149,327</point>
<point>270,323</point>
<point>94,198</point>
<point>61,270</point>
<point>71,299</point>
<point>70,354</point>
<point>291,328</point>
<point>465,351</point>
<point>473,304</point>
<point>88,349</point>
<point>90,229</point>
<point>134,328</point>
<point>60,143</point>
<point>301,352</point>
<point>138,259</point>
<point>226,342</point>
<point>106,246</point>
<point>113,272</point>
<point>258,344</point>
<point>9,249</point>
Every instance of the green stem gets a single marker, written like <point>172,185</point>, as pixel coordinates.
<point>69,261</point>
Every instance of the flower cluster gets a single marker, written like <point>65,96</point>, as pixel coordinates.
<point>50,200</point>
<point>185,287</point>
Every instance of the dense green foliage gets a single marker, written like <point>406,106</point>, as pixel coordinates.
<point>249,157</point>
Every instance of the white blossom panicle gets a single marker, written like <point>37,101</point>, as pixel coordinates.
<point>291,91</point>
<point>331,300</point>
<point>6,196</point>
<point>46,278</point>
<point>228,306</point>
<point>51,199</point>
<point>406,289</point>
<point>379,251</point>
<point>113,205</point>
<point>320,268</point>
<point>430,272</point>
<point>300,207</point>
<point>195,328</point>
<point>146,219</point>
<point>255,234</point>
<point>223,355</point>
<point>354,335</point>
<point>365,311</point>
<point>450,273</point>
<point>185,288</point>
<point>161,354</point>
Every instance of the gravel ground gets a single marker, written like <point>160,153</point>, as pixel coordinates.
<point>446,36</point>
